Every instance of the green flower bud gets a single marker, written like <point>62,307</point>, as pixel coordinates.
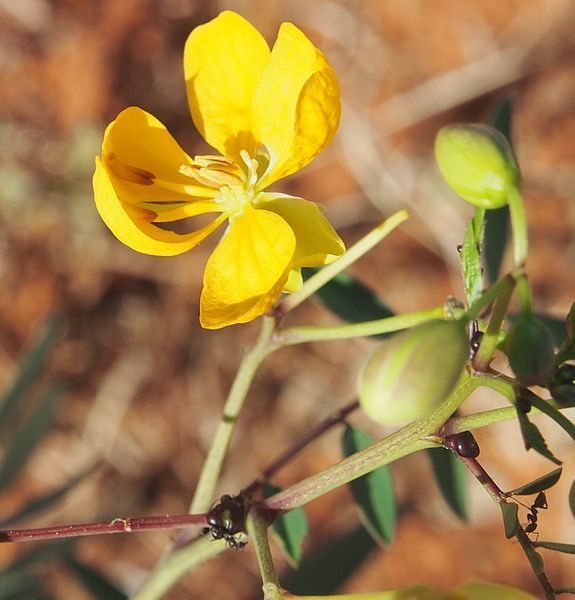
<point>477,162</point>
<point>530,350</point>
<point>413,372</point>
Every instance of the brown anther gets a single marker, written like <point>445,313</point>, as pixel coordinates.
<point>129,172</point>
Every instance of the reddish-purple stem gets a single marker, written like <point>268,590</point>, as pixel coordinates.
<point>118,525</point>
<point>284,458</point>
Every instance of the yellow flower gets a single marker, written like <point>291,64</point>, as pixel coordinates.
<point>268,113</point>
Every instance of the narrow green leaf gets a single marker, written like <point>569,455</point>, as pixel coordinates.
<point>351,300</point>
<point>449,474</point>
<point>556,546</point>
<point>26,440</point>
<point>45,501</point>
<point>289,530</point>
<point>554,414</point>
<point>537,485</point>
<point>373,493</point>
<point>495,241</point>
<point>98,585</point>
<point>30,369</point>
<point>332,565</point>
<point>564,590</point>
<point>532,437</point>
<point>572,499</point>
<point>497,221</point>
<point>470,257</point>
<point>510,520</point>
<point>19,585</point>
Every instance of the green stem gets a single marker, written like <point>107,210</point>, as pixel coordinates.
<point>407,440</point>
<point>365,244</point>
<point>204,493</point>
<point>257,526</point>
<point>519,226</point>
<point>299,335</point>
<point>176,565</point>
<point>524,294</point>
<point>484,353</point>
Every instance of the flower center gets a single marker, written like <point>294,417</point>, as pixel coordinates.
<point>234,184</point>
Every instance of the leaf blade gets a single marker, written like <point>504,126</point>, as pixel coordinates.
<point>373,493</point>
<point>449,473</point>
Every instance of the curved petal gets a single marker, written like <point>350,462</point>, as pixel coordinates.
<point>246,273</point>
<point>317,242</point>
<point>296,105</point>
<point>223,62</point>
<point>138,149</point>
<point>132,225</point>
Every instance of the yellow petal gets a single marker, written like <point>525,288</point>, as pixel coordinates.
<point>223,62</point>
<point>317,243</point>
<point>296,105</point>
<point>141,152</point>
<point>132,225</point>
<point>246,273</point>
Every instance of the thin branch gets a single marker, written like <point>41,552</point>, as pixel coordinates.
<point>117,525</point>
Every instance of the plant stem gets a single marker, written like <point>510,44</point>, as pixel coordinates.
<point>407,440</point>
<point>204,493</point>
<point>299,335</point>
<point>519,226</point>
<point>175,565</point>
<point>257,526</point>
<point>488,343</point>
<point>292,451</point>
<point>118,525</point>
<point>365,244</point>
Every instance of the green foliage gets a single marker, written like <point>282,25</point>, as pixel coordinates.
<point>470,257</point>
<point>27,439</point>
<point>449,474</point>
<point>93,581</point>
<point>289,530</point>
<point>373,493</point>
<point>538,485</point>
<point>530,350</point>
<point>532,437</point>
<point>351,300</point>
<point>510,521</point>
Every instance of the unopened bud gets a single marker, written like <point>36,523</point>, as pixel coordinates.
<point>477,162</point>
<point>530,350</point>
<point>411,373</point>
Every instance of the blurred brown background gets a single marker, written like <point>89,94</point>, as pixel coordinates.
<point>144,383</point>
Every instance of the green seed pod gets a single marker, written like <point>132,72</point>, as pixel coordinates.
<point>530,350</point>
<point>414,371</point>
<point>477,162</point>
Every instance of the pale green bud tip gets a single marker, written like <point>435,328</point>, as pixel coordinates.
<point>477,162</point>
<point>410,374</point>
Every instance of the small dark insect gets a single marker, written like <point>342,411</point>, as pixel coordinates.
<point>541,503</point>
<point>227,519</point>
<point>463,444</point>
<point>475,337</point>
